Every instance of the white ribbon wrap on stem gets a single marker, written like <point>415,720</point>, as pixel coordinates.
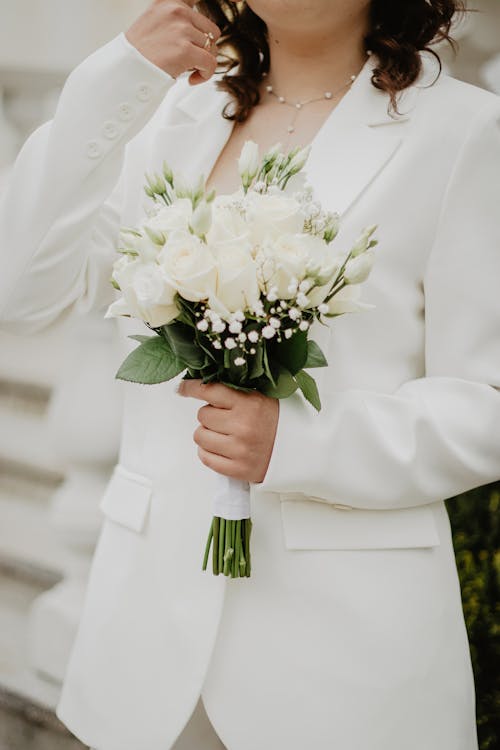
<point>232,499</point>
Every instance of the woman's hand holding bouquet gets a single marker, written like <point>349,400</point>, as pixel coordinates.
<point>231,286</point>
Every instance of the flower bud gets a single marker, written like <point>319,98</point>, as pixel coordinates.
<point>158,238</point>
<point>248,163</point>
<point>363,242</point>
<point>299,160</point>
<point>358,269</point>
<point>167,173</point>
<point>201,218</point>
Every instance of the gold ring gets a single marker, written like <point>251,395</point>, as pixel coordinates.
<point>209,38</point>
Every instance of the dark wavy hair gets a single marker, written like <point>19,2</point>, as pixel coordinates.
<point>398,32</point>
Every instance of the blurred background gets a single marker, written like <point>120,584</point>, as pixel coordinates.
<point>60,419</point>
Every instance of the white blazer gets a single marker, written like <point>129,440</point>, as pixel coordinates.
<point>349,633</point>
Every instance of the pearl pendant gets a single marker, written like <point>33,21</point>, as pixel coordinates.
<point>291,129</point>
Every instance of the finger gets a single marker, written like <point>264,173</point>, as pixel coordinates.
<point>214,393</point>
<point>215,419</point>
<point>214,442</point>
<point>220,464</point>
<point>196,78</point>
<point>199,38</point>
<point>204,24</point>
<point>203,60</point>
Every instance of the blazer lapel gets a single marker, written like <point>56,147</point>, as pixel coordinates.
<point>192,142</point>
<point>356,142</point>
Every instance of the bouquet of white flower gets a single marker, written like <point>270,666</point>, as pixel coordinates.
<point>231,285</point>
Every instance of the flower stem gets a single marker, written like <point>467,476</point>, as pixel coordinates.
<point>238,549</point>
<point>248,530</point>
<point>222,537</point>
<point>227,551</point>
<point>215,557</point>
<point>207,546</point>
<point>233,545</point>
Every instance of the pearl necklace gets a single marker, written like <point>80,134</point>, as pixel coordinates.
<point>297,106</point>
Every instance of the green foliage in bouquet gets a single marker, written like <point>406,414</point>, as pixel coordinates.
<point>275,368</point>
<point>476,536</point>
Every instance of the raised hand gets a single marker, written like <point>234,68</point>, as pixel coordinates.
<point>173,36</point>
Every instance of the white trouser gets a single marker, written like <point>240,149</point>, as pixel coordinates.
<point>198,734</point>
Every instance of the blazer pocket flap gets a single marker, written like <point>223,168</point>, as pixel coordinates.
<point>126,498</point>
<point>309,524</point>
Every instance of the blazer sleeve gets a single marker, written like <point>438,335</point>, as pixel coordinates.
<point>435,436</point>
<point>60,212</point>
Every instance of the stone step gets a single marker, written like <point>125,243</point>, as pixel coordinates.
<point>27,699</point>
<point>33,359</point>
<point>26,533</point>
<point>23,416</point>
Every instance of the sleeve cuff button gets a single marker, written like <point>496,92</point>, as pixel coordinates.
<point>144,92</point>
<point>110,130</point>
<point>93,150</point>
<point>125,112</point>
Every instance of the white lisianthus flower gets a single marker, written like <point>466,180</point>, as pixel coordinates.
<point>169,218</point>
<point>248,162</point>
<point>285,263</point>
<point>270,216</point>
<point>237,288</point>
<point>347,301</point>
<point>358,269</point>
<point>120,265</point>
<point>146,294</point>
<point>188,264</point>
<point>146,249</point>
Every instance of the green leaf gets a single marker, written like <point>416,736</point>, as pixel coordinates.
<point>182,340</point>
<point>292,352</point>
<point>308,386</point>
<point>285,385</point>
<point>152,362</point>
<point>140,338</point>
<point>256,365</point>
<point>315,357</point>
<point>266,365</point>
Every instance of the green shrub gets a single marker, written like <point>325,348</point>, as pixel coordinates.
<point>476,536</point>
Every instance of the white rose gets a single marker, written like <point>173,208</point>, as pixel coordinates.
<point>189,266</point>
<point>146,294</point>
<point>347,301</point>
<point>237,287</point>
<point>228,224</point>
<point>272,216</point>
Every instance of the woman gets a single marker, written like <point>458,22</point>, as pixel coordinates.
<point>349,633</point>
